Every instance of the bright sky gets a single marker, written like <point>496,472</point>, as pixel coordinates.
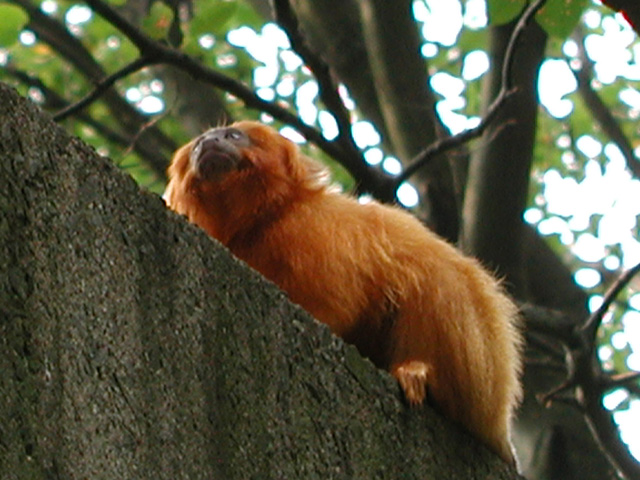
<point>606,190</point>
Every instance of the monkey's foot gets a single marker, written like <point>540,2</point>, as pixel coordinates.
<point>412,376</point>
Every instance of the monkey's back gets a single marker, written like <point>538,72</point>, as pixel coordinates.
<point>383,282</point>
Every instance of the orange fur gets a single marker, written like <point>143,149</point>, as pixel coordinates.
<point>407,299</point>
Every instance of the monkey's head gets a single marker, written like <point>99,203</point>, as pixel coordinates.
<point>237,175</point>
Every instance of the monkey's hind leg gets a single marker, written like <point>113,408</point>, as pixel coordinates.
<point>412,376</point>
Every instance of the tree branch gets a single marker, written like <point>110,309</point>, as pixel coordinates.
<point>600,111</point>
<point>589,383</point>
<point>505,93</point>
<point>101,87</point>
<point>154,144</point>
<point>592,324</point>
<point>287,19</point>
<point>158,53</point>
<point>54,101</point>
<point>621,380</point>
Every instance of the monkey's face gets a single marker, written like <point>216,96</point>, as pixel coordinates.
<point>240,152</point>
<point>237,174</point>
<point>219,151</point>
<point>244,165</point>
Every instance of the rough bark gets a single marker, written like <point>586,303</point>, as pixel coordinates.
<point>133,346</point>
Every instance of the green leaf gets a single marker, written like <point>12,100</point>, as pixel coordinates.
<point>559,17</point>
<point>503,11</point>
<point>13,21</point>
<point>157,23</point>
<point>212,17</point>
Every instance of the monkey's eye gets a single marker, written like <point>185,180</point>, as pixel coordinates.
<point>233,134</point>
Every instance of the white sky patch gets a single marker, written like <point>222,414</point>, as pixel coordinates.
<point>328,125</point>
<point>442,20</point>
<point>476,64</point>
<point>392,166</point>
<point>570,48</point>
<point>592,18</point>
<point>611,53</point>
<point>628,421</point>
<point>151,105</point>
<point>263,47</point>
<point>242,37</point>
<point>373,156</point>
<point>631,325</point>
<point>408,195</point>
<point>207,41</point>
<point>475,14</point>
<point>587,277</point>
<point>533,215</point>
<point>589,248</point>
<point>619,340</point>
<point>274,35</point>
<point>554,82</point>
<point>612,263</point>
<point>634,301</point>
<point>133,94</point>
<point>429,50</point>
<point>49,7</point>
<point>305,98</point>
<point>615,398</point>
<point>78,14</point>
<point>266,75</point>
<point>266,93</point>
<point>609,192</point>
<point>630,96</point>
<point>286,87</point>
<point>556,226</point>
<point>447,85</point>
<point>365,135</point>
<point>291,60</point>
<point>292,134</point>
<point>27,38</point>
<point>589,146</point>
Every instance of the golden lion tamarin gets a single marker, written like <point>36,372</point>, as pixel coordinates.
<point>405,298</point>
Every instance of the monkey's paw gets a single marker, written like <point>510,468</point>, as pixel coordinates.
<point>412,376</point>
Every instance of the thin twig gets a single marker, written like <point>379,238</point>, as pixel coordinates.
<point>589,383</point>
<point>620,380</point>
<point>599,110</point>
<point>593,322</point>
<point>505,93</point>
<point>328,89</point>
<point>101,87</point>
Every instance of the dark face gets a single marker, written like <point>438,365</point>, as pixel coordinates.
<point>218,152</point>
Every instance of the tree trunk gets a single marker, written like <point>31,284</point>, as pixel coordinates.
<point>133,346</point>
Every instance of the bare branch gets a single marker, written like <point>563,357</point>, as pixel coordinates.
<point>286,18</point>
<point>588,383</point>
<point>101,87</point>
<point>506,92</point>
<point>593,322</point>
<point>600,111</point>
<point>621,380</point>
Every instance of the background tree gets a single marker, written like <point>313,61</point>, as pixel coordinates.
<point>154,74</point>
